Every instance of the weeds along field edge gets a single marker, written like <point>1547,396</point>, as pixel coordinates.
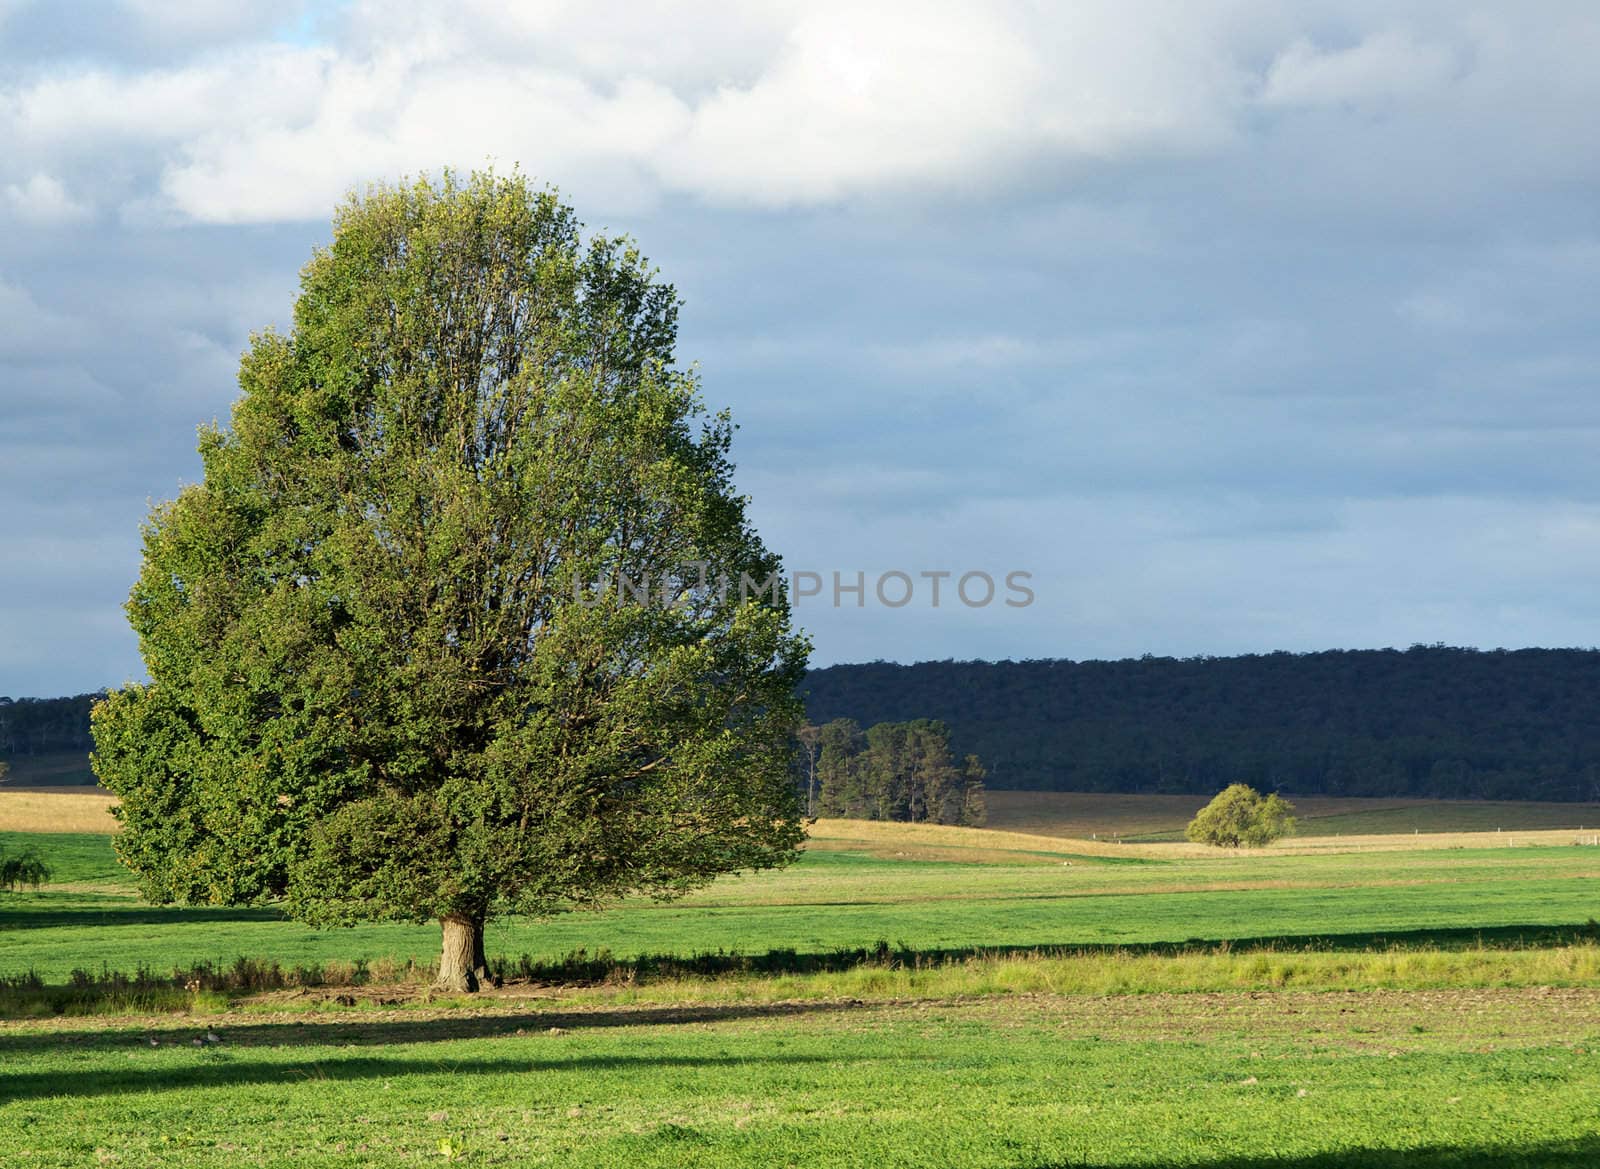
<point>878,973</point>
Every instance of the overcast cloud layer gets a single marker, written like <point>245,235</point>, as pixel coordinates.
<point>1240,325</point>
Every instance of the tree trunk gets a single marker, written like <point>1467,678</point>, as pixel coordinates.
<point>458,957</point>
<point>480,960</point>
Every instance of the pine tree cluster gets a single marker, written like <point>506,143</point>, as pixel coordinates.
<point>892,771</point>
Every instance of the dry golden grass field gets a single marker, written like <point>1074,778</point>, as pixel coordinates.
<point>1035,835</point>
<point>1092,816</point>
<point>56,810</point>
<point>1101,815</point>
<point>931,842</point>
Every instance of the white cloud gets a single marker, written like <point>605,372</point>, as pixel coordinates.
<point>80,111</point>
<point>43,202</point>
<point>853,100</point>
<point>862,96</point>
<point>793,105</point>
<point>1385,66</point>
<point>387,118</point>
<point>599,40</point>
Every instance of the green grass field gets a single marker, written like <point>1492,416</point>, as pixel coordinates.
<point>832,900</point>
<point>1042,1003</point>
<point>1186,1080</point>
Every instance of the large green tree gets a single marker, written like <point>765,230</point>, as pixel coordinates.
<point>465,617</point>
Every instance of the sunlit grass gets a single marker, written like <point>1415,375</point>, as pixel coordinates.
<point>1020,1082</point>
<point>902,996</point>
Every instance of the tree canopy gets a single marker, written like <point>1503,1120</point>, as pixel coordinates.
<point>1241,816</point>
<point>388,677</point>
<point>893,771</point>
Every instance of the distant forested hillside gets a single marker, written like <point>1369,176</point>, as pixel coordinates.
<point>1429,721</point>
<point>45,726</point>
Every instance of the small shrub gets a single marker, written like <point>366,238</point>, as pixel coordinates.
<point>25,871</point>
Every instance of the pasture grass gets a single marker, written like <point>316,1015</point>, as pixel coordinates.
<point>837,899</point>
<point>81,858</point>
<point>1449,816</point>
<point>1143,818</point>
<point>1459,1079</point>
<point>903,995</point>
<point>1122,972</point>
<point>880,973</point>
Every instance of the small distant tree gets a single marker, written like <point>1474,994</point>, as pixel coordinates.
<point>974,803</point>
<point>840,770</point>
<point>26,871</point>
<point>935,781</point>
<point>886,772</point>
<point>1240,815</point>
<point>810,739</point>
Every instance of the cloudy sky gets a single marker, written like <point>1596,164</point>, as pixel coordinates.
<point>1240,325</point>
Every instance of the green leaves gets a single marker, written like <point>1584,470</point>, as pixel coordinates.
<point>1240,815</point>
<point>374,687</point>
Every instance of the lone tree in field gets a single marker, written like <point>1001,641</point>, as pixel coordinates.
<point>1240,815</point>
<point>22,872</point>
<point>25,871</point>
<point>386,680</point>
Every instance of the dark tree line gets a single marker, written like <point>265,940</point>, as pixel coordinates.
<point>1427,722</point>
<point>891,771</point>
<point>1430,721</point>
<point>43,726</point>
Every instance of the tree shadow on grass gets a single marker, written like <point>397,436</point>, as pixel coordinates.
<point>345,1032</point>
<point>114,914</point>
<point>1580,1153</point>
<point>1502,937</point>
<point>580,967</point>
<point>228,1072</point>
